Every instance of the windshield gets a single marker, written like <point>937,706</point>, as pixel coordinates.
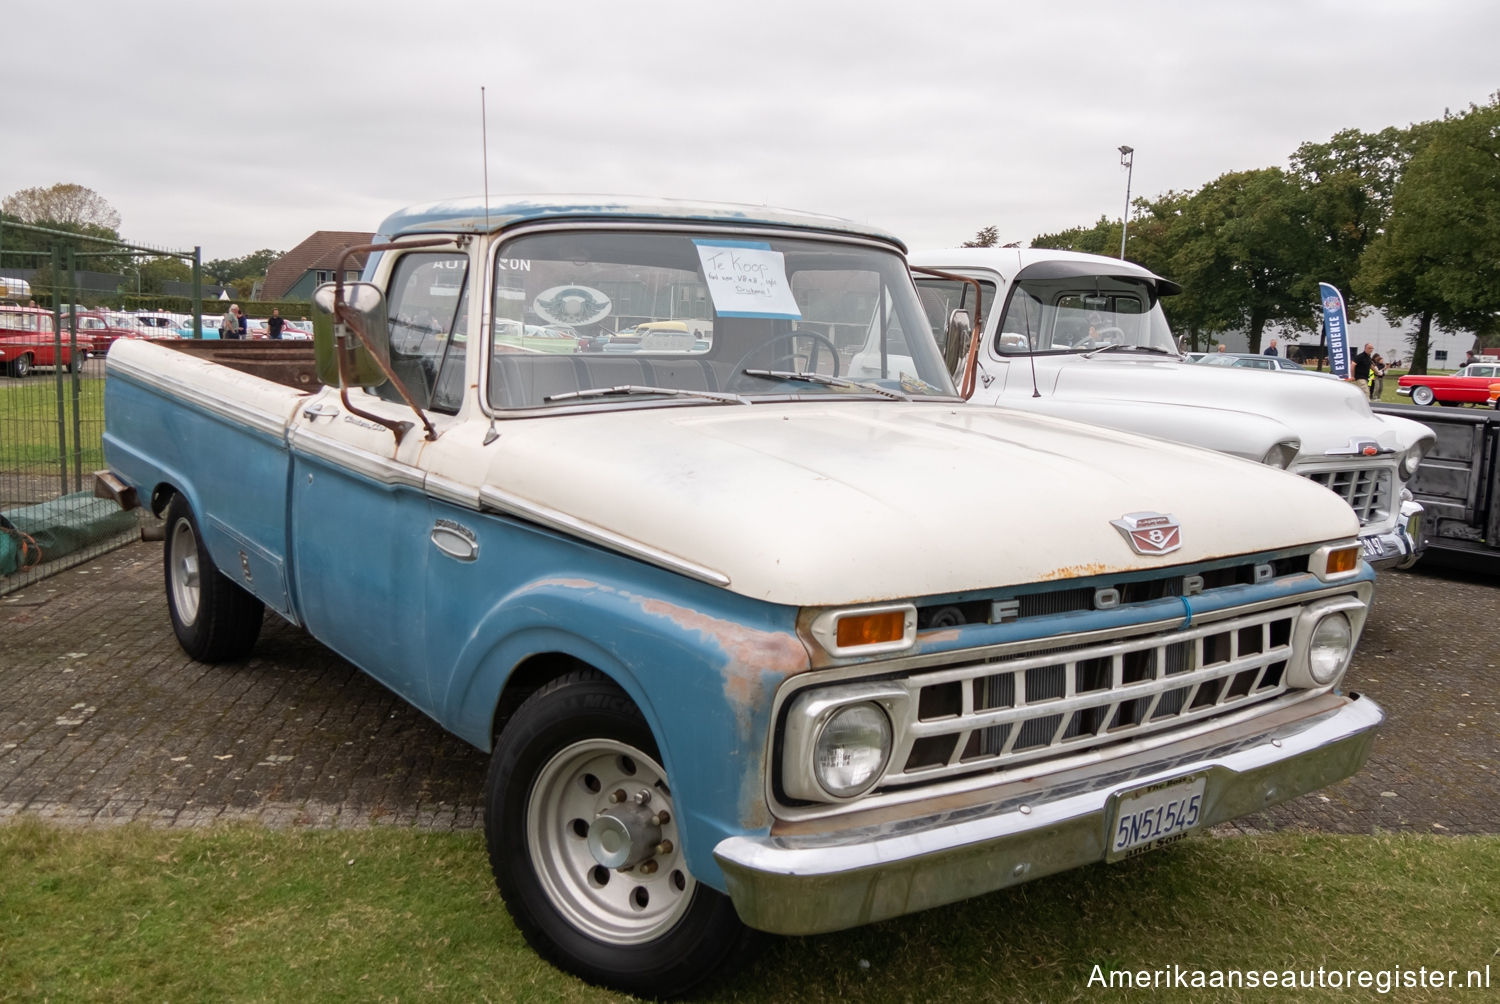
<point>1065,315</point>
<point>703,318</point>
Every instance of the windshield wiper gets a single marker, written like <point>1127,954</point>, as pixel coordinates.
<point>1121,347</point>
<point>828,381</point>
<point>630,388</point>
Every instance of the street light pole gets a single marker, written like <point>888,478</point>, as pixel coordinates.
<point>1127,161</point>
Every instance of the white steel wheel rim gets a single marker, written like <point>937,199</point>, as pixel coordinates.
<point>627,907</point>
<point>1422,395</point>
<point>185,581</point>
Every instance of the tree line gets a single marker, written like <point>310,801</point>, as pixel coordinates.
<point>94,223</point>
<point>1404,221</point>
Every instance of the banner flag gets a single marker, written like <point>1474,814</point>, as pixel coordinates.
<point>1338,334</point>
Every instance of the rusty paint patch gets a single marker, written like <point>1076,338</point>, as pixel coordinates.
<point>1077,572</point>
<point>755,663</point>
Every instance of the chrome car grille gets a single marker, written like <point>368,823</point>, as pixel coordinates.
<point>1366,489</point>
<point>1046,705</point>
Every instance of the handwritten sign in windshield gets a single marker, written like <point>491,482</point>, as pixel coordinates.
<point>747,279</point>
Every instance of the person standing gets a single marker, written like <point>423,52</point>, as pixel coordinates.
<point>230,325</point>
<point>1271,349</point>
<point>1362,366</point>
<point>275,323</point>
<point>1377,377</point>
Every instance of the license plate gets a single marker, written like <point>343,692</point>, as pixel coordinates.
<point>1373,547</point>
<point>1154,816</point>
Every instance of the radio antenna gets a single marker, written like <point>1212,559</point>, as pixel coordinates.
<point>484,138</point>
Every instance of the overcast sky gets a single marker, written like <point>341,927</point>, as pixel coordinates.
<point>236,127</point>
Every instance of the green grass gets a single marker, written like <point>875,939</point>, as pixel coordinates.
<point>29,426</point>
<point>246,913</point>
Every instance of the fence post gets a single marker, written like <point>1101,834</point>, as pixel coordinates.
<point>57,375</point>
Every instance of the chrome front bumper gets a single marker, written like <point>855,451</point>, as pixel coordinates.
<point>1399,547</point>
<point>807,884</point>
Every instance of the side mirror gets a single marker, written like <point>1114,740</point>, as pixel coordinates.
<point>330,338</point>
<point>956,340</point>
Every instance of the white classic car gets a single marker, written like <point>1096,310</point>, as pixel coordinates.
<point>1084,337</point>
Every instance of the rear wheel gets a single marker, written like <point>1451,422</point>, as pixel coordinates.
<point>584,845</point>
<point>1422,395</point>
<point>214,619</point>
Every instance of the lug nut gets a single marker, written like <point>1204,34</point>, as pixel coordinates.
<point>648,867</point>
<point>617,796</point>
<point>643,796</point>
<point>665,847</point>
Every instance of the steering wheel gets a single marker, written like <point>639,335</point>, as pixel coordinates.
<point>812,356</point>
<point>1100,338</point>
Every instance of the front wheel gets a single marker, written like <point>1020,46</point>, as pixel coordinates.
<point>1423,396</point>
<point>584,843</point>
<point>214,619</point>
<point>20,367</point>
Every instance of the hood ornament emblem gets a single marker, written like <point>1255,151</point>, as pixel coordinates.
<point>1149,532</point>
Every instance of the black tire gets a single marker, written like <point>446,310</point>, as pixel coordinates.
<point>651,929</point>
<point>1423,395</point>
<point>214,619</point>
<point>20,367</point>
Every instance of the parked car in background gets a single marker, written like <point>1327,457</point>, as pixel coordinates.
<point>29,339</point>
<point>297,331</point>
<point>1470,385</point>
<point>210,328</point>
<point>99,331</point>
<point>1252,361</point>
<point>1085,337</point>
<point>160,325</point>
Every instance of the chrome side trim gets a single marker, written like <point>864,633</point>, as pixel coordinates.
<point>239,413</point>
<point>453,492</point>
<point>828,881</point>
<point>494,499</point>
<point>382,470</point>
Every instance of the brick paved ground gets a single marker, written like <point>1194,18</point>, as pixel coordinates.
<point>103,719</point>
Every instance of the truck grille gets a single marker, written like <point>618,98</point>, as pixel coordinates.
<point>1366,489</point>
<point>1049,704</point>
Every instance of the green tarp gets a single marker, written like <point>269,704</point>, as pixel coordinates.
<point>33,534</point>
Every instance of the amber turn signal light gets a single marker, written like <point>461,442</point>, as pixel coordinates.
<point>871,629</point>
<point>1342,559</point>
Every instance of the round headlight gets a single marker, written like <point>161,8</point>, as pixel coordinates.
<point>1282,454</point>
<point>852,749</point>
<point>1411,461</point>
<point>1328,649</point>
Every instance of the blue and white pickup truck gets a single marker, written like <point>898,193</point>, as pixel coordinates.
<point>755,645</point>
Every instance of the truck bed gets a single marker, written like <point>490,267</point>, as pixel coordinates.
<point>288,363</point>
<point>1458,483</point>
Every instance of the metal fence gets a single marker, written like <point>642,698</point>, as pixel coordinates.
<point>52,408</point>
<point>51,425</point>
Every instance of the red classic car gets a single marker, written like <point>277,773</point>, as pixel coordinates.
<point>98,331</point>
<point>1470,385</point>
<point>27,339</point>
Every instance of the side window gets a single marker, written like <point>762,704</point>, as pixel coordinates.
<point>428,305</point>
<point>940,297</point>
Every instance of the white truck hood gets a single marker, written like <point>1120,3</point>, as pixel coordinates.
<point>814,504</point>
<point>1244,412</point>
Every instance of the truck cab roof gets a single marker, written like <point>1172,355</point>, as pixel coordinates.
<point>472,215</point>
